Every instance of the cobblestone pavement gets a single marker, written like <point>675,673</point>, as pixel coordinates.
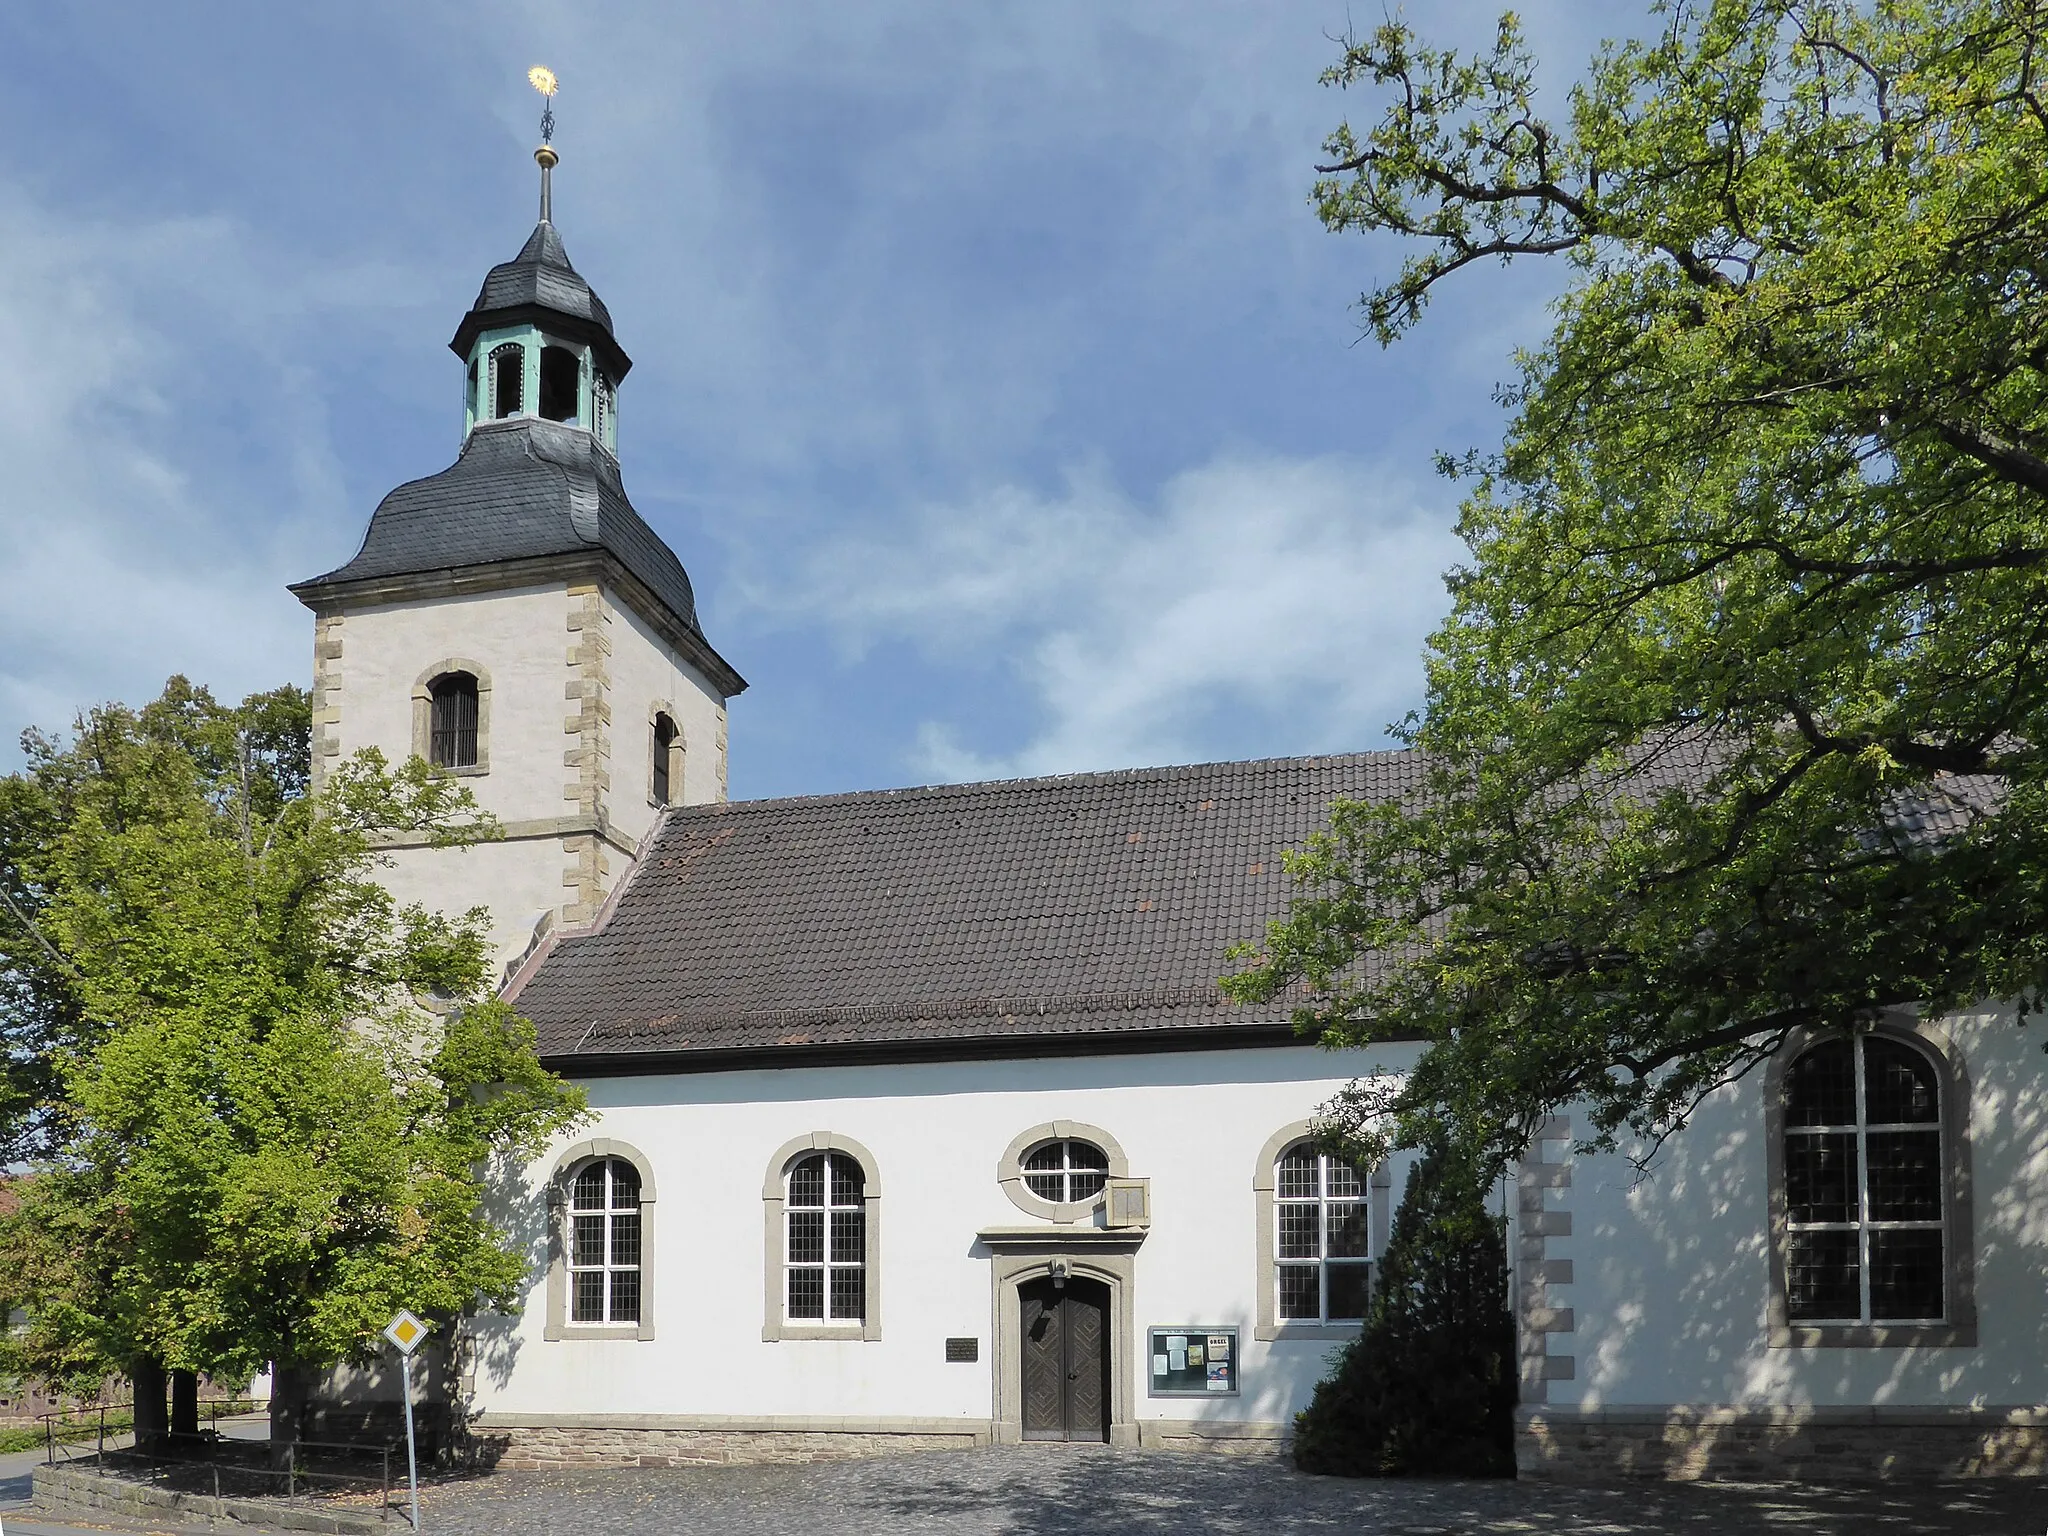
<point>1102,1492</point>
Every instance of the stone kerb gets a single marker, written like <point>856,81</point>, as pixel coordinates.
<point>73,1491</point>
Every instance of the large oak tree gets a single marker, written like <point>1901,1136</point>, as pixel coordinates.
<point>1735,726</point>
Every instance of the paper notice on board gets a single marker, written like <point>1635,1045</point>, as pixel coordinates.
<point>1159,1365</point>
<point>1219,1346</point>
<point>1177,1354</point>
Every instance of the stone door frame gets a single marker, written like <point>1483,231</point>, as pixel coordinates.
<point>1092,1253</point>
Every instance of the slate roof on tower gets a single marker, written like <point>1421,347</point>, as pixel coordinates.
<point>1092,911</point>
<point>540,285</point>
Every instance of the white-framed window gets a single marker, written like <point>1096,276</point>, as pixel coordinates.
<point>508,380</point>
<point>825,1248</point>
<point>1066,1170</point>
<point>1864,1185</point>
<point>604,1243</point>
<point>1322,1258</point>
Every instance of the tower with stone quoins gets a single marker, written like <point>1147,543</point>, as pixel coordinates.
<point>513,619</point>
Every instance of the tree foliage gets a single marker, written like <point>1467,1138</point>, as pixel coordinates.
<point>259,1145</point>
<point>1734,727</point>
<point>1428,1386</point>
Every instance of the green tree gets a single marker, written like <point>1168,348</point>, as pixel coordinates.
<point>1428,1386</point>
<point>263,1145</point>
<point>1735,724</point>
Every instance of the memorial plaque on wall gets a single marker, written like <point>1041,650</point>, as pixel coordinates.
<point>1193,1360</point>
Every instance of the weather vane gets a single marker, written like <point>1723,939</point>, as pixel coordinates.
<point>543,80</point>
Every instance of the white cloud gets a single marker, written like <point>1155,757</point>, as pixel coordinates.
<point>166,455</point>
<point>1291,594</point>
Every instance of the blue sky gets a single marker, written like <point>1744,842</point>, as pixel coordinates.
<point>992,376</point>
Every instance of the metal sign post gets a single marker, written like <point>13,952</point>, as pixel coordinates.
<point>406,1332</point>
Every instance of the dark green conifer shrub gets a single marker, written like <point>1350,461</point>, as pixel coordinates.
<point>1428,1386</point>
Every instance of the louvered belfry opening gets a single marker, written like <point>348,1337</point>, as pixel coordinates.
<point>452,742</point>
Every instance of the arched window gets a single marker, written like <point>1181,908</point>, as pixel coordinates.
<point>1066,1170</point>
<point>560,373</point>
<point>604,1243</point>
<point>821,1200</point>
<point>1864,1184</point>
<point>1322,1247</point>
<point>469,393</point>
<point>452,738</point>
<point>508,380</point>
<point>601,406</point>
<point>665,735</point>
<point>826,1253</point>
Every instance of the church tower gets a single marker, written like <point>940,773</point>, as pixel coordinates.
<point>513,619</point>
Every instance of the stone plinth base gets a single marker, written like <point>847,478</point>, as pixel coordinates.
<point>1218,1437</point>
<point>522,1441</point>
<point>1780,1444</point>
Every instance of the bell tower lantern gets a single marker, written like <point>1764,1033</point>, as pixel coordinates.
<point>514,619</point>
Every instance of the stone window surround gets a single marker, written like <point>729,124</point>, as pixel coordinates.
<point>1265,1176</point>
<point>677,753</point>
<point>1959,1227</point>
<point>1010,1169</point>
<point>423,712</point>
<point>775,1328</point>
<point>558,1196</point>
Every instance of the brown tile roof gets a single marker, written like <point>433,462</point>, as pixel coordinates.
<point>948,920</point>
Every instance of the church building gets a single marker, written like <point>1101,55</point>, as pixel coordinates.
<point>919,1119</point>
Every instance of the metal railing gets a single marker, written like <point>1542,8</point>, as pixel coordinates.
<point>308,1465</point>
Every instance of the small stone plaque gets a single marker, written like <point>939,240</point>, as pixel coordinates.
<point>962,1351</point>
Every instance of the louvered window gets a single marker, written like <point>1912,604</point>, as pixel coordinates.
<point>452,738</point>
<point>1863,1185</point>
<point>825,1253</point>
<point>604,1243</point>
<point>1066,1171</point>
<point>1321,1244</point>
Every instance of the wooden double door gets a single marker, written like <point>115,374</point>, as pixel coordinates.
<point>1065,1358</point>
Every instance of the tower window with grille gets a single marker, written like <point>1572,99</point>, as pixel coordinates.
<point>1864,1181</point>
<point>604,1243</point>
<point>452,739</point>
<point>561,371</point>
<point>825,1257</point>
<point>1321,1247</point>
<point>665,734</point>
<point>508,380</point>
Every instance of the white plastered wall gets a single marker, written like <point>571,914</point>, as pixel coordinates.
<point>1193,1123</point>
<point>1670,1271</point>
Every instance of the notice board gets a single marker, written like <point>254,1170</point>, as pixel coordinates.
<point>1193,1360</point>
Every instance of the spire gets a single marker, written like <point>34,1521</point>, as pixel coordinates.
<point>543,80</point>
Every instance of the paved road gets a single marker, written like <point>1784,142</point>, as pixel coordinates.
<point>1052,1491</point>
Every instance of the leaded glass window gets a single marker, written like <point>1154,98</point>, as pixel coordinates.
<point>1066,1171</point>
<point>604,1243</point>
<point>825,1252</point>
<point>1864,1181</point>
<point>1322,1255</point>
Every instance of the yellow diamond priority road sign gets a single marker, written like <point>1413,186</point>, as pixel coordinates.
<point>406,1331</point>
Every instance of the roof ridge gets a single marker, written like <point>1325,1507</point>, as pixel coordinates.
<point>1161,773</point>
